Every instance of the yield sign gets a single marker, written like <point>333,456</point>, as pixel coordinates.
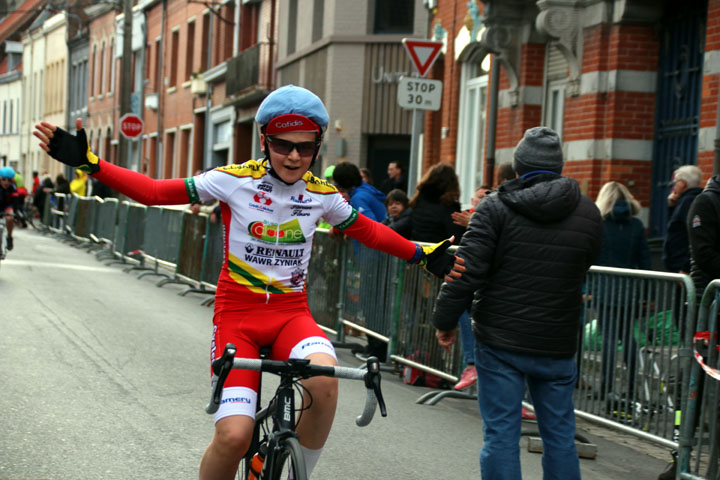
<point>423,53</point>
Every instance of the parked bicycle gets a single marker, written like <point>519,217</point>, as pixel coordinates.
<point>274,436</point>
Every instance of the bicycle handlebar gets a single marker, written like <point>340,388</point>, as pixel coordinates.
<point>303,369</point>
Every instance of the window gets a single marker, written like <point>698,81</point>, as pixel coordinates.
<point>111,66</point>
<point>292,26</point>
<point>394,16</point>
<point>158,65</point>
<point>169,155</point>
<point>152,158</point>
<point>92,71</point>
<point>148,63</point>
<point>471,129</point>
<point>554,104</point>
<point>184,168</point>
<point>101,64</point>
<point>204,60</point>
<point>190,50</point>
<point>10,118</point>
<point>318,18</point>
<point>248,25</point>
<point>174,52</point>
<point>228,27</point>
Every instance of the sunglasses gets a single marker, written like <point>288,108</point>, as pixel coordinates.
<point>284,147</point>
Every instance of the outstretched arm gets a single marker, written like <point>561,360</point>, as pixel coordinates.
<point>73,150</point>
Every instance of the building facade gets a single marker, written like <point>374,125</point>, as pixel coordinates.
<point>630,86</point>
<point>349,53</point>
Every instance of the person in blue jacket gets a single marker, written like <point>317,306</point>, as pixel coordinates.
<point>365,198</point>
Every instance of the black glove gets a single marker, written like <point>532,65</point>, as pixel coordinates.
<point>435,259</point>
<point>73,150</point>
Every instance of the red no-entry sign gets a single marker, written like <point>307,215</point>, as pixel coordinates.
<point>131,126</point>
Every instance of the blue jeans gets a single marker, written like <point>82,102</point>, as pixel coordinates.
<point>501,380</point>
<point>467,338</point>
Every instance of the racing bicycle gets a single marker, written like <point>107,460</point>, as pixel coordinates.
<point>274,431</point>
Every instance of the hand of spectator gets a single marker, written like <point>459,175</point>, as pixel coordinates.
<point>213,218</point>
<point>195,208</point>
<point>461,218</point>
<point>446,338</point>
<point>673,198</point>
<point>457,270</point>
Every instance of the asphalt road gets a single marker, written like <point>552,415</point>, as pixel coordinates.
<point>105,376</point>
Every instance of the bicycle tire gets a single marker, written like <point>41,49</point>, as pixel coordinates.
<point>289,458</point>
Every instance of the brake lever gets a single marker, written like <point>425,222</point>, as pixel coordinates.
<point>221,367</point>
<point>372,380</point>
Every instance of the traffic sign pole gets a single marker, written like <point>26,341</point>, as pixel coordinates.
<point>423,54</point>
<point>414,149</point>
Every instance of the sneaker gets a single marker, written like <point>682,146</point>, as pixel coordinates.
<point>467,378</point>
<point>9,243</point>
<point>527,414</point>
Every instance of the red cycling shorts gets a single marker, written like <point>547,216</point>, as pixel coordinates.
<point>285,323</point>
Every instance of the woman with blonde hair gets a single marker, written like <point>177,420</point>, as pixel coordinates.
<point>624,246</point>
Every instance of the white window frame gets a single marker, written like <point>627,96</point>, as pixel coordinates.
<point>469,164</point>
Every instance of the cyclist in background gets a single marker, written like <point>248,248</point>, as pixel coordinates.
<point>8,201</point>
<point>270,208</point>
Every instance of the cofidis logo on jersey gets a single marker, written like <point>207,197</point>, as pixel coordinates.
<point>289,232</point>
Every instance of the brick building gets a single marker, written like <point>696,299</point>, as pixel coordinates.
<point>632,87</point>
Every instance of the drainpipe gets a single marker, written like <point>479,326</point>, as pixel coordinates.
<point>161,94</point>
<point>271,43</point>
<point>208,94</point>
<point>492,121</point>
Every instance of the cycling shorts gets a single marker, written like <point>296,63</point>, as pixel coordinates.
<point>285,323</point>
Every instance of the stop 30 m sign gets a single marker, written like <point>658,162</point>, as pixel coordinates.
<point>131,126</point>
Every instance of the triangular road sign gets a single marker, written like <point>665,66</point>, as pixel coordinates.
<point>423,53</point>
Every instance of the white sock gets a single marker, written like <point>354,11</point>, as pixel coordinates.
<point>311,458</point>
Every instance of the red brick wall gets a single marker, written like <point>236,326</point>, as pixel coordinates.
<point>710,84</point>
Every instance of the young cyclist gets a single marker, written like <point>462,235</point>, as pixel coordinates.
<point>8,201</point>
<point>269,211</point>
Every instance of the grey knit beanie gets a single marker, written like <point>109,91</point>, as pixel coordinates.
<point>539,149</point>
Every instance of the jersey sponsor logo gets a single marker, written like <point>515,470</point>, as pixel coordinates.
<point>313,344</point>
<point>297,277</point>
<point>298,211</point>
<point>288,232</point>
<point>300,199</point>
<point>262,198</point>
<point>262,202</point>
<point>244,400</point>
<point>265,187</point>
<point>260,255</point>
<point>696,222</point>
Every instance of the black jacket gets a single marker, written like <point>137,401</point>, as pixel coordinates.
<point>402,224</point>
<point>527,250</point>
<point>432,222</point>
<point>625,244</point>
<point>703,227</point>
<point>676,247</point>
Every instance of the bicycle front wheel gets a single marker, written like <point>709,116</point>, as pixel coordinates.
<point>289,462</point>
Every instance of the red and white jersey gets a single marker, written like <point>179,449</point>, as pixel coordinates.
<point>268,224</point>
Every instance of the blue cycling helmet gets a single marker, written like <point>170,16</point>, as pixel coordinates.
<point>292,109</point>
<point>7,172</point>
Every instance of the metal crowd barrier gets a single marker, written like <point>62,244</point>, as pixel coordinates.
<point>631,354</point>
<point>103,233</point>
<point>699,452</point>
<point>129,234</point>
<point>57,212</point>
<point>633,349</point>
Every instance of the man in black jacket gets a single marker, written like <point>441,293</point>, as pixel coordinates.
<point>527,250</point>
<point>676,248</point>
